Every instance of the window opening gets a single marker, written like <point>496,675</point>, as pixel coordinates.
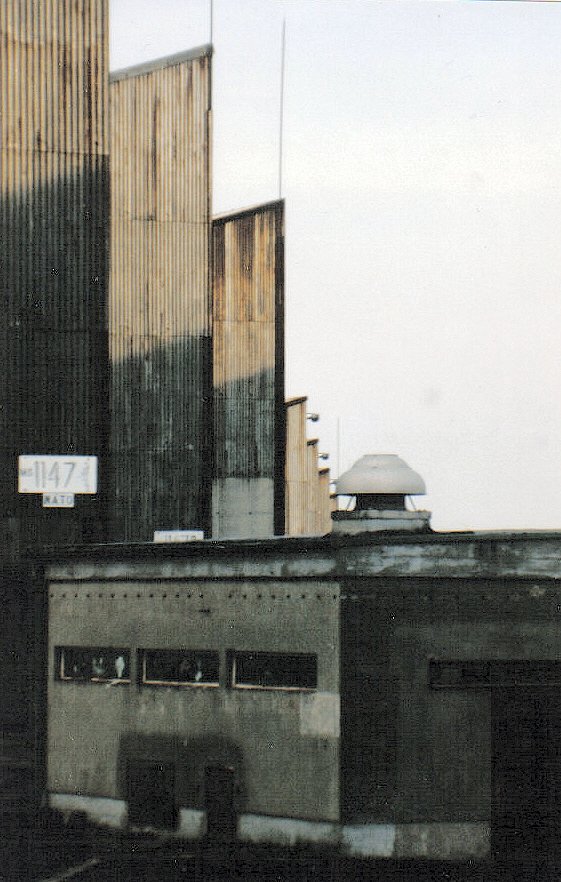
<point>274,670</point>
<point>93,664</point>
<point>179,667</point>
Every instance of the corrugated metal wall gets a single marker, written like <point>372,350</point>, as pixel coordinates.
<point>160,321</point>
<point>54,202</point>
<point>308,502</point>
<point>327,502</point>
<point>53,252</point>
<point>296,467</point>
<point>248,372</point>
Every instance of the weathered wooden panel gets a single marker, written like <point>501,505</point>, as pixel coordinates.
<point>54,204</point>
<point>159,311</point>
<point>248,360</point>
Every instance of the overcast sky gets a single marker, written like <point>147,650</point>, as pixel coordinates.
<point>422,178</point>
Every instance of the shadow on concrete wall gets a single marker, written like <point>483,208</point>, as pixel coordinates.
<point>188,757</point>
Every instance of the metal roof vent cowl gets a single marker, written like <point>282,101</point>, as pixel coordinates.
<point>380,482</point>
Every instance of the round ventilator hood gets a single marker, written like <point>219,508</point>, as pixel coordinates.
<point>380,474</point>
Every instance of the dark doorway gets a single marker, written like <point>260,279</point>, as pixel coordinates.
<point>219,803</point>
<point>527,774</point>
<point>151,795</point>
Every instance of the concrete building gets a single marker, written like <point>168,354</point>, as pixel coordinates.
<point>384,689</point>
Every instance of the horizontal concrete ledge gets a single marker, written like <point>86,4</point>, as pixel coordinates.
<point>434,841</point>
<point>107,812</point>
<point>101,810</point>
<point>286,831</point>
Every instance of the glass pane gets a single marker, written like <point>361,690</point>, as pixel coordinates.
<point>280,670</point>
<point>93,663</point>
<point>180,666</point>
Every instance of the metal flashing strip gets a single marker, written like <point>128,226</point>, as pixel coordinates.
<point>228,216</point>
<point>138,70</point>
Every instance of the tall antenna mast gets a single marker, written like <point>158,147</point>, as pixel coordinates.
<point>281,117</point>
<point>211,20</point>
<point>338,447</point>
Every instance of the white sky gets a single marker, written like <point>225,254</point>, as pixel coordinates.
<point>422,177</point>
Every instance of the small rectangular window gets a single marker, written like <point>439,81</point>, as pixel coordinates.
<point>274,670</point>
<point>179,667</point>
<point>93,664</point>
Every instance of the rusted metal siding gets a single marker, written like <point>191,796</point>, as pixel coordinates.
<point>159,313</point>
<point>53,252</point>
<point>248,361</point>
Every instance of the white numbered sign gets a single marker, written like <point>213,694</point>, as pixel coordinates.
<point>57,474</point>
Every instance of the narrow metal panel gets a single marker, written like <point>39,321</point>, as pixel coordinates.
<point>159,311</point>
<point>248,348</point>
<point>53,248</point>
<point>296,467</point>
<point>308,502</point>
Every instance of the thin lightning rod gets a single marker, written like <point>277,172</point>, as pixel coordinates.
<point>338,447</point>
<point>281,119</point>
<point>211,20</point>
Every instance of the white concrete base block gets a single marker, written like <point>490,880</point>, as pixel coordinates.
<point>368,840</point>
<point>286,831</point>
<point>443,841</point>
<point>192,824</point>
<point>435,841</point>
<point>242,508</point>
<point>100,810</point>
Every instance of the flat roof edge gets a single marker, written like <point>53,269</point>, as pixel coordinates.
<point>304,544</point>
<point>146,67</point>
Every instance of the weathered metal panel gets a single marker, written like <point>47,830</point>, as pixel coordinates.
<point>53,250</point>
<point>159,312</point>
<point>312,485</point>
<point>295,468</point>
<point>327,502</point>
<point>308,505</point>
<point>248,358</point>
